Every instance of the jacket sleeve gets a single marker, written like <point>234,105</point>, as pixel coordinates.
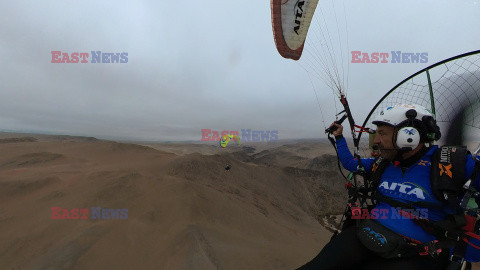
<point>346,158</point>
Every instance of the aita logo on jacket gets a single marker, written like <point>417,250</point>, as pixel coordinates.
<point>409,189</point>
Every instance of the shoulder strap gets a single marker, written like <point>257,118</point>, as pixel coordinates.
<point>378,167</point>
<point>448,173</point>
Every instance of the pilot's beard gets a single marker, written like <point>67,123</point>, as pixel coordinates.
<point>388,153</point>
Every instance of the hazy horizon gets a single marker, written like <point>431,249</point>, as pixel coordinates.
<point>191,72</point>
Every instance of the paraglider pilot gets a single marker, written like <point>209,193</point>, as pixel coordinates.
<point>424,192</point>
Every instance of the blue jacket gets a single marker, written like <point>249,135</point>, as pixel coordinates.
<point>411,185</point>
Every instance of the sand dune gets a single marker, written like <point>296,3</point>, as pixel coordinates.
<point>185,211</point>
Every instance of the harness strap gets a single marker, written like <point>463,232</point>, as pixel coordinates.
<point>448,174</point>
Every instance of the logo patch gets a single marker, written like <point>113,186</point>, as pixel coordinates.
<point>446,170</point>
<point>404,188</point>
<point>423,163</point>
<point>409,131</point>
<point>378,236</point>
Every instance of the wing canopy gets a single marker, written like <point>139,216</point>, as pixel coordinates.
<point>290,22</point>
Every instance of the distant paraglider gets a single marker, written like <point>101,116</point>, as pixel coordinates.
<point>226,139</point>
<point>224,142</point>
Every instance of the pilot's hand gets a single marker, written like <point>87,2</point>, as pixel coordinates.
<point>338,131</point>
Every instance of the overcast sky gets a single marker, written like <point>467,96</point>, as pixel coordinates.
<point>204,64</point>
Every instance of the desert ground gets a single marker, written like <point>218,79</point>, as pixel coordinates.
<point>273,209</point>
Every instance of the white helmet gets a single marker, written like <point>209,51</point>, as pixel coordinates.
<point>414,124</point>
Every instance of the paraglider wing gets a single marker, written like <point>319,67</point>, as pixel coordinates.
<point>226,139</point>
<point>290,22</point>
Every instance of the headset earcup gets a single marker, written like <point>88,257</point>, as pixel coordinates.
<point>408,138</point>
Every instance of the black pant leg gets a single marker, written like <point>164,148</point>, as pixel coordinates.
<point>344,251</point>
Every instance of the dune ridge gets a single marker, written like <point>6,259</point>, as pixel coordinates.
<point>185,210</point>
